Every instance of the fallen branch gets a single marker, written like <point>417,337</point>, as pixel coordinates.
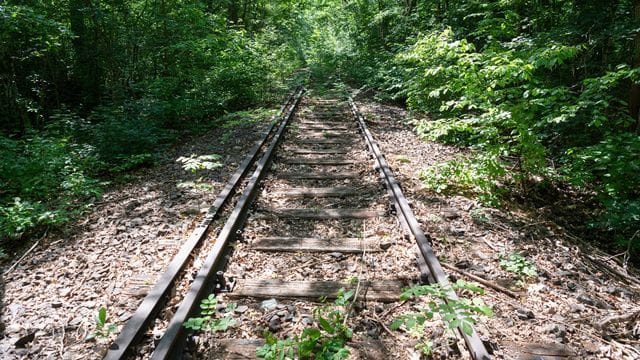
<point>382,325</point>
<point>482,281</point>
<point>625,277</point>
<point>618,318</point>
<point>26,253</point>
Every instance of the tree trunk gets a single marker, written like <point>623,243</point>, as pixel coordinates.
<point>85,44</point>
<point>634,94</point>
<point>232,12</point>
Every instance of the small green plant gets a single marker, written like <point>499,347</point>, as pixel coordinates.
<point>208,321</point>
<point>21,215</point>
<point>275,348</point>
<point>131,162</point>
<point>480,216</point>
<point>325,342</point>
<point>102,328</point>
<point>195,163</point>
<point>519,265</point>
<point>455,313</point>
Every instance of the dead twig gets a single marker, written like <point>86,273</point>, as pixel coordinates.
<point>382,325</point>
<point>26,253</point>
<point>482,281</point>
<point>617,319</point>
<point>64,333</point>
<point>623,276</point>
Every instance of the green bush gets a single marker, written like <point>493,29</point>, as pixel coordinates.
<point>122,137</point>
<point>45,181</point>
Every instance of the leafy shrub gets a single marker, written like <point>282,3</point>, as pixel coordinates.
<point>434,300</point>
<point>44,181</point>
<point>120,137</point>
<point>519,265</point>
<point>503,101</point>
<point>479,176</point>
<point>20,216</point>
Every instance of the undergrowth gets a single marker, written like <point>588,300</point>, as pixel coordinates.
<point>433,301</point>
<point>325,341</point>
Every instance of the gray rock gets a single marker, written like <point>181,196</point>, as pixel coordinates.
<point>56,304</point>
<point>13,329</point>
<point>307,321</point>
<point>241,309</point>
<point>269,304</point>
<point>21,351</point>
<point>524,314</point>
<point>560,331</point>
<point>576,308</point>
<point>586,299</point>
<point>450,214</point>
<point>275,324</point>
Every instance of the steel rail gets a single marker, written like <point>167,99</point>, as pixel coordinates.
<point>172,342</point>
<point>134,329</point>
<point>475,345</point>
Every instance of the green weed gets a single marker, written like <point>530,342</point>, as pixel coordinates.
<point>327,341</point>
<point>103,330</point>
<point>208,320</point>
<point>455,313</point>
<point>519,265</point>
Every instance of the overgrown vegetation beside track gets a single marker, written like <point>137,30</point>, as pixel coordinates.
<point>544,93</point>
<point>94,89</point>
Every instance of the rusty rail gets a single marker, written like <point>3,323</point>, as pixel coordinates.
<point>153,302</point>
<point>474,343</point>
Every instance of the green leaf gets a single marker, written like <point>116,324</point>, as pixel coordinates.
<point>101,319</point>
<point>326,325</point>
<point>467,328</point>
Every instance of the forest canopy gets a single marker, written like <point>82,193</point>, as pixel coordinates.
<point>545,93</point>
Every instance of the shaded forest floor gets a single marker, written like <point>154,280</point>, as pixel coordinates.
<point>579,305</point>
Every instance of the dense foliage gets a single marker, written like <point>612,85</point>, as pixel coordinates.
<point>90,88</point>
<point>544,92</point>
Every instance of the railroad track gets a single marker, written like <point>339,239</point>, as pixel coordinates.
<point>315,203</point>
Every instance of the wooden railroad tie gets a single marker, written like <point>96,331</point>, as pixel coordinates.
<point>306,161</point>
<point>319,126</point>
<point>243,349</point>
<point>307,151</point>
<point>322,141</point>
<point>313,244</point>
<point>322,175</point>
<point>323,214</point>
<point>370,290</point>
<point>328,123</point>
<point>320,192</point>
